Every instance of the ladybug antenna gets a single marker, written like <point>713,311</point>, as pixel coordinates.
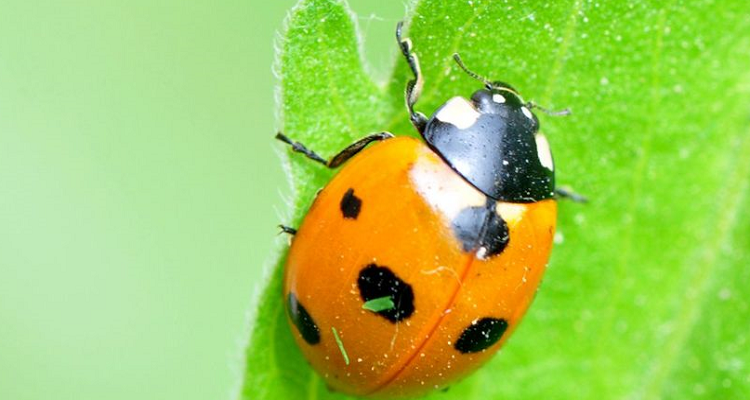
<point>471,73</point>
<point>487,83</point>
<point>558,113</point>
<point>504,86</point>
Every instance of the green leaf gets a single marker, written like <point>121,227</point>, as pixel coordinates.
<point>379,304</point>
<point>340,344</point>
<point>646,293</point>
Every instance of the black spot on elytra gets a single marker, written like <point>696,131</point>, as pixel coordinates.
<point>350,204</point>
<point>303,321</point>
<point>375,282</point>
<point>477,227</point>
<point>481,335</point>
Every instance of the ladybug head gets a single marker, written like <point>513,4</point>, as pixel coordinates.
<point>505,101</point>
<point>493,142</point>
<point>496,95</point>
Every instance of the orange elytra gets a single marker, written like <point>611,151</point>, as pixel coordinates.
<point>416,262</point>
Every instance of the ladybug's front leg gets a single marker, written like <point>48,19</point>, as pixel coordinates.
<point>414,86</point>
<point>342,156</point>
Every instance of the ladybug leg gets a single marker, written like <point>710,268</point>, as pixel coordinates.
<point>564,193</point>
<point>342,156</point>
<point>300,148</point>
<point>288,230</point>
<point>414,86</point>
<point>356,147</point>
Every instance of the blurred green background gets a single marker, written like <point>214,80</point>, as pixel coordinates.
<point>139,190</point>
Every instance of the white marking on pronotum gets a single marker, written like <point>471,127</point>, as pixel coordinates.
<point>542,150</point>
<point>445,191</point>
<point>459,112</point>
<point>498,98</point>
<point>527,113</point>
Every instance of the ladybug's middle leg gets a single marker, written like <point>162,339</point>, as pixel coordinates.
<point>342,156</point>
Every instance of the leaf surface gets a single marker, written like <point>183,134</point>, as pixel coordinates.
<point>646,293</point>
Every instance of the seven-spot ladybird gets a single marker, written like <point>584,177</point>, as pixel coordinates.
<point>417,261</point>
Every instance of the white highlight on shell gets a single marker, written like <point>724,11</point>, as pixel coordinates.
<point>542,150</point>
<point>458,112</point>
<point>498,98</point>
<point>511,213</point>
<point>527,112</point>
<point>481,253</point>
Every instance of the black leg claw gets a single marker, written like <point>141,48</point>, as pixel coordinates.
<point>288,230</point>
<point>300,148</point>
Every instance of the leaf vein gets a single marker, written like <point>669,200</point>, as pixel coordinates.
<point>564,48</point>
<point>630,215</point>
<point>735,191</point>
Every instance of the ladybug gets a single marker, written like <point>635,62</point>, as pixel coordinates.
<point>417,261</point>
